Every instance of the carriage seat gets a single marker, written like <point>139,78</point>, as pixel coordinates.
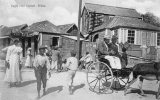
<point>115,62</point>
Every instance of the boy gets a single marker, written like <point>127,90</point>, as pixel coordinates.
<point>41,64</point>
<point>86,60</point>
<point>72,65</point>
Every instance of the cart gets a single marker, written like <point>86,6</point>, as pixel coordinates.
<point>101,77</point>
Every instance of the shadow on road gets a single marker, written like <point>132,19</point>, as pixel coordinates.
<point>53,89</point>
<point>78,87</point>
<point>26,83</point>
<point>145,91</point>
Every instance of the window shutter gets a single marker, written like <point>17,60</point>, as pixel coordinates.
<point>138,37</point>
<point>125,35</point>
<point>154,38</point>
<point>143,38</point>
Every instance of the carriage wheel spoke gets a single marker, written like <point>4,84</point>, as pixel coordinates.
<point>99,86</point>
<point>102,84</point>
<point>123,81</point>
<point>92,81</point>
<point>119,83</point>
<point>103,80</point>
<point>109,78</point>
<point>95,85</point>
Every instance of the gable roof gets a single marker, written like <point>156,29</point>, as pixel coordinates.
<point>18,28</point>
<point>124,22</point>
<point>5,31</point>
<point>111,10</point>
<point>43,26</point>
<point>65,28</point>
<point>132,23</point>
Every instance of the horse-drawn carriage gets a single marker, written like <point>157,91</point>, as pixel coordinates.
<point>101,77</point>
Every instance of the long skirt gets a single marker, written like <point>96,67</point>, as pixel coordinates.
<point>13,74</point>
<point>28,62</point>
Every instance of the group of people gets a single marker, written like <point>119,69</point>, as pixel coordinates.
<point>54,55</point>
<point>43,63</point>
<point>108,52</point>
<point>50,58</point>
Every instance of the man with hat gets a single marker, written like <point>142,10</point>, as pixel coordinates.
<point>103,49</point>
<point>41,64</point>
<point>114,47</point>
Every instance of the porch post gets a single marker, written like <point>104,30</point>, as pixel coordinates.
<point>144,51</point>
<point>32,45</point>
<point>157,53</point>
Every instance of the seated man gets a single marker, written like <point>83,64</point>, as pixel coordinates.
<point>103,50</point>
<point>107,53</point>
<point>115,60</point>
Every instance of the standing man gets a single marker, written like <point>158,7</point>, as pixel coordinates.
<point>55,55</point>
<point>41,64</point>
<point>59,62</point>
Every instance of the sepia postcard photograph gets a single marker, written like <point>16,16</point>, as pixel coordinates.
<point>79,49</point>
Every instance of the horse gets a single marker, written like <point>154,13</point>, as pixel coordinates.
<point>147,71</point>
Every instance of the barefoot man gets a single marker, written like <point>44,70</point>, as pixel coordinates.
<point>41,64</point>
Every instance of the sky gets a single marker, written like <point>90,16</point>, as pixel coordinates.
<point>17,12</point>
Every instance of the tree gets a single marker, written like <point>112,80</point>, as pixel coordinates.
<point>151,18</point>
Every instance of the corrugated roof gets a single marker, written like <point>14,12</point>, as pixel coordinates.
<point>43,26</point>
<point>126,22</point>
<point>131,23</point>
<point>65,27</point>
<point>118,11</point>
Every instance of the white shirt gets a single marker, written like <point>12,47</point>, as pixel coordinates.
<point>72,63</point>
<point>41,61</point>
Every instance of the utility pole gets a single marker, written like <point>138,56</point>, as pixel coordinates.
<point>79,25</point>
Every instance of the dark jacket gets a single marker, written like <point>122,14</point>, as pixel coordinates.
<point>102,48</point>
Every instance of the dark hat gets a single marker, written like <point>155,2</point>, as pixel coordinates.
<point>42,47</point>
<point>114,37</point>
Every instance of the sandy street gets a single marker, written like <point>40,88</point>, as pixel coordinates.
<point>56,89</point>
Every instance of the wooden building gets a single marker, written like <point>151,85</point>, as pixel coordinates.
<point>126,23</point>
<point>46,33</point>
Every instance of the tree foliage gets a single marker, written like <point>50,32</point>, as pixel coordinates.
<point>151,18</point>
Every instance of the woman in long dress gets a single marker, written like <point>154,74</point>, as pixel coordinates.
<point>14,55</point>
<point>28,62</point>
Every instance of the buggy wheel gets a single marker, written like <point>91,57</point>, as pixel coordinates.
<point>99,77</point>
<point>119,81</point>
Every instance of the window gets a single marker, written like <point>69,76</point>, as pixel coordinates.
<point>158,39</point>
<point>131,36</point>
<point>55,41</point>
